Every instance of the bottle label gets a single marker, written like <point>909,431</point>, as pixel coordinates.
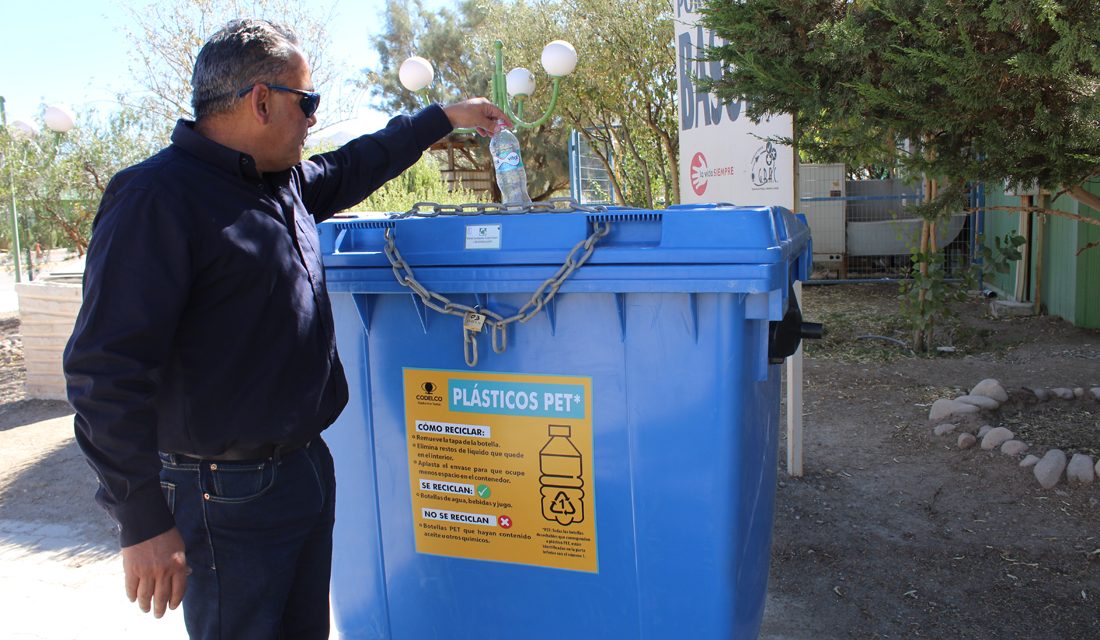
<point>508,162</point>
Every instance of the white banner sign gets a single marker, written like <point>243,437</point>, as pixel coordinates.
<point>724,156</point>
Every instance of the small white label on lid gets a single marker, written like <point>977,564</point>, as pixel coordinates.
<point>483,236</point>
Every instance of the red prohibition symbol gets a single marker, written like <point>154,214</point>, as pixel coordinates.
<point>505,522</point>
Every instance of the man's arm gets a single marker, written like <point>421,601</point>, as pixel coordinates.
<point>135,284</point>
<point>343,178</point>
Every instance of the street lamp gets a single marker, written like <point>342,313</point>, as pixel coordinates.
<point>58,119</point>
<point>559,59</point>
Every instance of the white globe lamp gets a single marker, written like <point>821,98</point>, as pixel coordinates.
<point>415,73</point>
<point>58,118</point>
<point>23,130</point>
<point>520,82</point>
<point>559,58</point>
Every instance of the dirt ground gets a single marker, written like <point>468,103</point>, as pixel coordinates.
<point>891,533</point>
<point>896,533</point>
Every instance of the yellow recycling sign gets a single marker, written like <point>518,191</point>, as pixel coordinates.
<point>500,466</point>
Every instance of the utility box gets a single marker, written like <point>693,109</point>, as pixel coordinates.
<point>604,468</point>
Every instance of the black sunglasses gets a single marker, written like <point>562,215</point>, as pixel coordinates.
<point>309,102</point>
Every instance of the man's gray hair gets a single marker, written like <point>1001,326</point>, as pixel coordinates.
<point>240,54</point>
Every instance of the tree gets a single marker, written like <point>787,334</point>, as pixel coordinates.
<point>167,37</point>
<point>622,97</point>
<point>421,182</point>
<point>60,178</point>
<point>463,66</point>
<point>957,92</point>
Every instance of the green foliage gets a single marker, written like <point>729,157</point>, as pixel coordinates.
<point>422,182</point>
<point>59,178</point>
<point>463,69</point>
<point>444,38</point>
<point>999,258</point>
<point>621,97</point>
<point>990,90</point>
<point>927,296</point>
<point>958,92</point>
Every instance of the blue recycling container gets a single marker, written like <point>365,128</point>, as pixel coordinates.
<point>600,464</point>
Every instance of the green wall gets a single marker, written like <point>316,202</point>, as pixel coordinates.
<point>997,224</point>
<point>1071,283</point>
<point>1088,273</point>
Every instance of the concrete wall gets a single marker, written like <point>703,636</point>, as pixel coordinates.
<point>47,313</point>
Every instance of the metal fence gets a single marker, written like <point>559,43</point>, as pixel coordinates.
<point>589,181</point>
<point>862,230</point>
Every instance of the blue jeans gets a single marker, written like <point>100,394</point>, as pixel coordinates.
<point>259,543</point>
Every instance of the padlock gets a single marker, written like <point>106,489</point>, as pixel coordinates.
<point>473,321</point>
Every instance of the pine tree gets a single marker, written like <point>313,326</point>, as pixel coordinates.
<point>956,91</point>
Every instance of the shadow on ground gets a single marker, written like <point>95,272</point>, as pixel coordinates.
<point>27,412</point>
<point>46,488</point>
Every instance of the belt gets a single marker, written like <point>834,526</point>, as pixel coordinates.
<point>238,454</point>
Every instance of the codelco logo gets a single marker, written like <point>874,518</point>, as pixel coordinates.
<point>701,173</point>
<point>429,395</point>
<point>764,170</point>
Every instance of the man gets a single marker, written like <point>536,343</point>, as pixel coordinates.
<point>206,335</point>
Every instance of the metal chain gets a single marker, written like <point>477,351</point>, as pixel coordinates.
<point>551,205</point>
<point>474,319</point>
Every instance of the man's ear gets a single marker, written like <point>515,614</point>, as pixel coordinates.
<point>259,102</point>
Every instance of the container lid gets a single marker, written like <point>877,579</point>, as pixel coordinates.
<point>680,235</point>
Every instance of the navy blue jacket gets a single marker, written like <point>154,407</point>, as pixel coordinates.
<point>206,324</point>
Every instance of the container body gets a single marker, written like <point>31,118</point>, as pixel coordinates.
<point>640,501</point>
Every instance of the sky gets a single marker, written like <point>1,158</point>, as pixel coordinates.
<point>75,53</point>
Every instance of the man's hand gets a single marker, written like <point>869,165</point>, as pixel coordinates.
<point>476,113</point>
<point>156,570</point>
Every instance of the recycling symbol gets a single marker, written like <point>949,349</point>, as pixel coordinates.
<point>562,505</point>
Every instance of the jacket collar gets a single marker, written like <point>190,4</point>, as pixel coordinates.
<point>229,160</point>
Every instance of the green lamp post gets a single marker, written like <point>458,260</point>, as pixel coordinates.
<point>559,59</point>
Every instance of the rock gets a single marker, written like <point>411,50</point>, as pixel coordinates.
<point>1022,396</point>
<point>1013,447</point>
<point>1098,468</point>
<point>990,388</point>
<point>943,407</point>
<point>966,440</point>
<point>986,428</point>
<point>1029,460</point>
<point>1011,309</point>
<point>996,437</point>
<point>982,402</point>
<point>1062,393</point>
<point>944,429</point>
<point>1080,469</point>
<point>1048,471</point>
<point>1095,391</point>
<point>1042,395</point>
<point>1078,393</point>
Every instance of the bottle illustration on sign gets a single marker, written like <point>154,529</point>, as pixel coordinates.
<point>561,480</point>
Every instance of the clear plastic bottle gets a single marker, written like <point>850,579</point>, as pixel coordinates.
<point>511,176</point>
